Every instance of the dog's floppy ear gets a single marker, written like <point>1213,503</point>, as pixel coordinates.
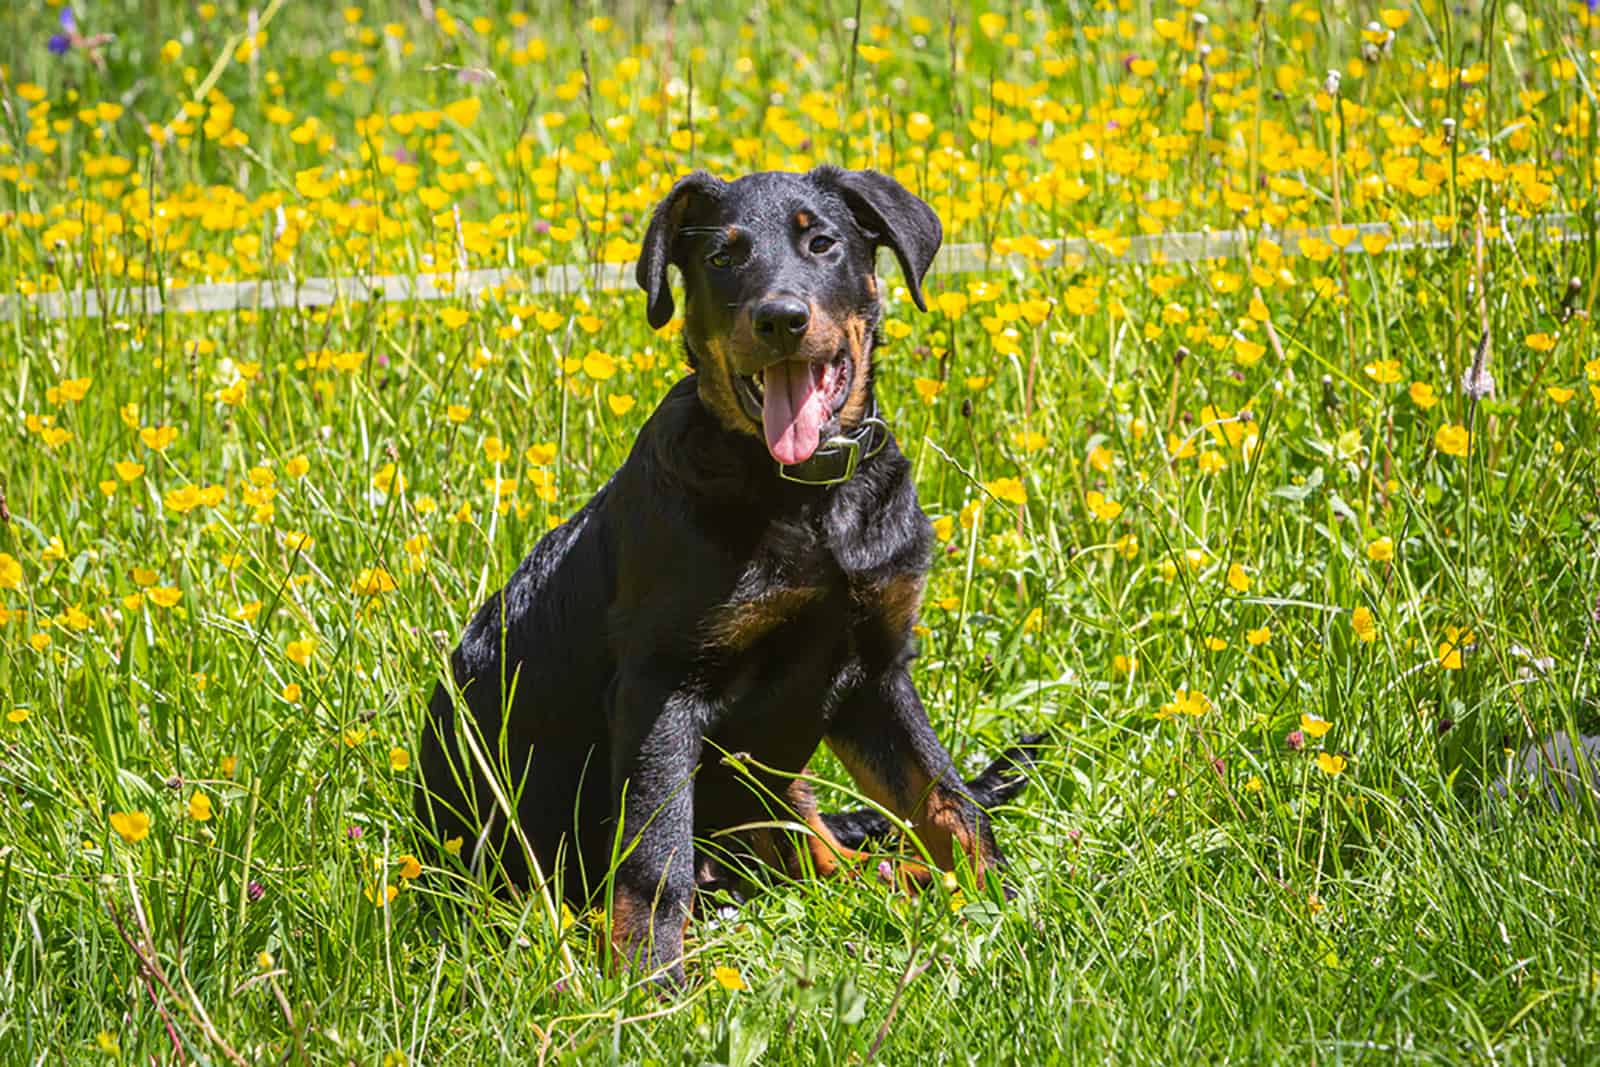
<point>892,216</point>
<point>657,252</point>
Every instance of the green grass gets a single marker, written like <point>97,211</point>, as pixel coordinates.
<point>1189,886</point>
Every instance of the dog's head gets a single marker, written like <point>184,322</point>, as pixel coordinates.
<point>782,301</point>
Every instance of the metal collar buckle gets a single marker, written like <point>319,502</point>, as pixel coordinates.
<point>836,461</point>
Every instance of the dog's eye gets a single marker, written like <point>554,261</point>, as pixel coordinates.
<point>720,260</point>
<point>820,244</point>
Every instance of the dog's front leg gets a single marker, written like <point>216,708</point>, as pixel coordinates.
<point>882,736</point>
<point>656,732</point>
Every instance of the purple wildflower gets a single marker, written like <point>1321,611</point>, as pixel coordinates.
<point>61,43</point>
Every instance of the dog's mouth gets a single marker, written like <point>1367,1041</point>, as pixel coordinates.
<point>795,400</point>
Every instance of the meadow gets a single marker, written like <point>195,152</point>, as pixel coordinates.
<point>1284,551</point>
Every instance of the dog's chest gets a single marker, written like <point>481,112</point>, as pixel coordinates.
<point>788,581</point>
<point>800,592</point>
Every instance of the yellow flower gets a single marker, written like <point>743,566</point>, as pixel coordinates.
<point>1102,507</point>
<point>1186,702</point>
<point>598,365</point>
<point>1383,371</point>
<point>10,572</point>
<point>388,479</point>
<point>165,596</point>
<point>131,826</point>
<point>943,527</point>
<point>1010,490</point>
<point>17,716</point>
<point>410,867</point>
<point>495,450</point>
<point>452,846</point>
<point>620,403</point>
<point>300,651</point>
<point>199,807</point>
<point>1124,664</point>
<point>157,438</point>
<point>39,642</point>
<point>927,388</point>
<point>1381,550</point>
<point>1314,726</point>
<point>1330,764</point>
<point>1559,393</point>
<point>952,304</point>
<point>872,53</point>
<point>1259,636</point>
<point>1238,580</point>
<point>297,467</point>
<point>399,759</point>
<point>372,581</point>
<point>1422,395</point>
<point>1365,626</point>
<point>1247,353</point>
<point>381,897</point>
<point>128,470</point>
<point>541,455</point>
<point>454,318</point>
<point>227,765</point>
<point>729,978</point>
<point>1215,643</point>
<point>1453,440</point>
<point>183,499</point>
<point>1539,342</point>
<point>1455,639</point>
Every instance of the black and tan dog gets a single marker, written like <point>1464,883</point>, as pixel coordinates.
<point>746,583</point>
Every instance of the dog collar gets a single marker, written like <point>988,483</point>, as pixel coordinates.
<point>836,461</point>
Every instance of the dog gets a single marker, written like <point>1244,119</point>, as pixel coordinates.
<point>660,668</point>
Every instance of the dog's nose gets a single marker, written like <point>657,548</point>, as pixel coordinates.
<point>780,320</point>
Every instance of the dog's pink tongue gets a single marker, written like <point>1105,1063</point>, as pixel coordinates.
<point>793,410</point>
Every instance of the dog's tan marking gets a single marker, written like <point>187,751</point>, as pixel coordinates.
<point>741,623</point>
<point>937,815</point>
<point>715,385</point>
<point>630,924</point>
<point>899,600</point>
<point>872,286</point>
<point>827,854</point>
<point>804,219</point>
<point>855,405</point>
